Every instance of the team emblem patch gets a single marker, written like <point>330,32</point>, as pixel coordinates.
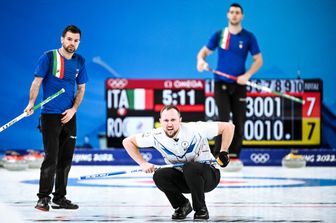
<point>146,134</point>
<point>77,72</point>
<point>241,44</point>
<point>184,145</point>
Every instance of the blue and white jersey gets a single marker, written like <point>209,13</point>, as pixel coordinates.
<point>190,144</point>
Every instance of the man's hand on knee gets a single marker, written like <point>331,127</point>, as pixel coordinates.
<point>223,159</point>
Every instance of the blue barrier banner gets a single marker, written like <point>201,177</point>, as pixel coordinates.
<point>273,157</point>
<point>114,157</point>
<point>250,157</point>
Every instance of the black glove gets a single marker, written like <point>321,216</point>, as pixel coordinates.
<point>223,159</point>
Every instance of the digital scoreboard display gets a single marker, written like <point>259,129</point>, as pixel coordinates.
<point>133,106</point>
<point>276,121</point>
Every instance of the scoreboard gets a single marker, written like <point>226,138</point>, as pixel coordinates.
<point>277,121</point>
<point>273,121</point>
<point>133,106</point>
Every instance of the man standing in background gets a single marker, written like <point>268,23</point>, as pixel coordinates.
<point>233,44</point>
<point>57,69</point>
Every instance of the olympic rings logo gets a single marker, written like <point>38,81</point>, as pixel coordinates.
<point>116,83</point>
<point>147,156</point>
<point>260,157</point>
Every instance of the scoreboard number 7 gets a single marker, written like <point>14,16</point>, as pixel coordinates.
<point>311,101</point>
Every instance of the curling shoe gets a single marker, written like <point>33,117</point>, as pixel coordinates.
<point>201,214</point>
<point>63,203</point>
<point>183,211</point>
<point>43,204</point>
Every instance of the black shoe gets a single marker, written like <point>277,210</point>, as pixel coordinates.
<point>201,214</point>
<point>43,204</point>
<point>183,211</point>
<point>63,203</point>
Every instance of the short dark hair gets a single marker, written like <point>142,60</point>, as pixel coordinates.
<point>169,107</point>
<point>71,28</point>
<point>237,5</point>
